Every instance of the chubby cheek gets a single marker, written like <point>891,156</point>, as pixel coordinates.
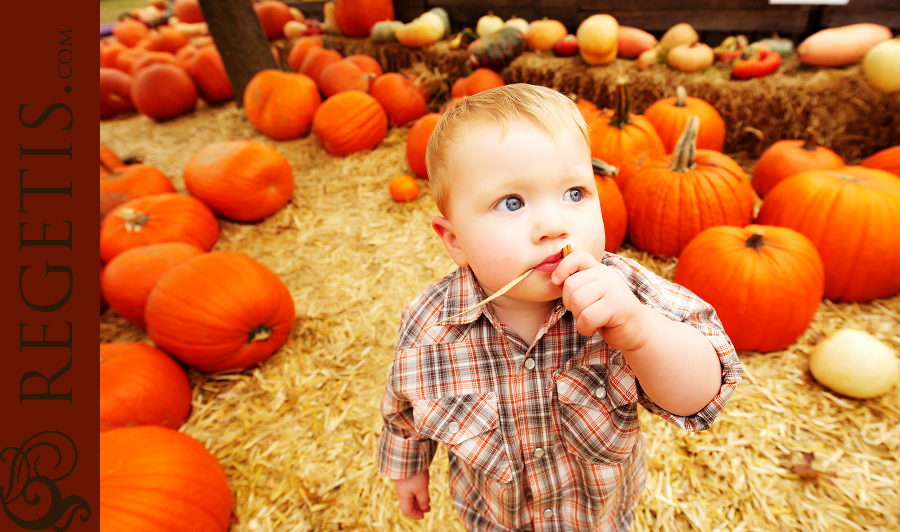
<point>494,260</point>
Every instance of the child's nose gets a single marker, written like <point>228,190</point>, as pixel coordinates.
<point>549,224</point>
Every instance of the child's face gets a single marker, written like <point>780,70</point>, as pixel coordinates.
<point>515,202</point>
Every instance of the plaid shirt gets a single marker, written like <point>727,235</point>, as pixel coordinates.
<point>540,437</point>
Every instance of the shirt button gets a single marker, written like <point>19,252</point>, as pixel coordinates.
<point>537,453</point>
<point>548,513</point>
<point>453,427</point>
<point>529,363</point>
<point>600,392</point>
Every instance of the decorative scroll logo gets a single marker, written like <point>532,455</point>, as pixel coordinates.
<point>33,476</point>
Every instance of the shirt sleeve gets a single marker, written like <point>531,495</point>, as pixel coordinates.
<point>680,304</point>
<point>402,452</point>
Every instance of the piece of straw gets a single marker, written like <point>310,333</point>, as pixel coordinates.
<point>565,252</point>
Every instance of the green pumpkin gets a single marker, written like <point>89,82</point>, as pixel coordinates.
<point>497,50</point>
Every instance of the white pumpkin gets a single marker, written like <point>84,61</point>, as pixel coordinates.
<point>855,363</point>
<point>488,24</point>
<point>881,65</point>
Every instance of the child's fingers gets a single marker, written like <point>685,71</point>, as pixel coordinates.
<point>423,501</point>
<point>575,262</point>
<point>410,507</point>
<point>593,317</point>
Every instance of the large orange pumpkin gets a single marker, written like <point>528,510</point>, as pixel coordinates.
<point>788,157</point>
<point>612,205</point>
<point>220,311</point>
<point>765,282</point>
<point>402,97</point>
<point>169,217</point>
<point>240,179</point>
<point>851,215</point>
<point>356,17</point>
<point>162,91</point>
<point>675,196</point>
<point>417,143</point>
<point>158,479</point>
<point>886,159</point>
<point>349,122</point>
<point>141,385</point>
<point>129,277</point>
<point>131,181</point>
<point>623,139</point>
<point>281,104</point>
<point>670,115</point>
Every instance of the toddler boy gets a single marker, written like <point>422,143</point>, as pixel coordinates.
<point>535,394</point>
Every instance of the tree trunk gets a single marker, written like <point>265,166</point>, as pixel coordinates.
<point>239,36</point>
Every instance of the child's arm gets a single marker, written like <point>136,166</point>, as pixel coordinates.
<point>412,493</point>
<point>676,365</point>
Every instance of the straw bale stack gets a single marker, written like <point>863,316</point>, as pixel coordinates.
<point>297,434</point>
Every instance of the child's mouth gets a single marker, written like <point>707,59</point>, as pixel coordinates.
<point>549,264</point>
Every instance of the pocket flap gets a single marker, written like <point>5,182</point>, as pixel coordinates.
<point>595,387</point>
<point>456,418</point>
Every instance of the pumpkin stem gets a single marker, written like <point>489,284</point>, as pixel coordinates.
<point>623,106</point>
<point>756,241</point>
<point>811,143</point>
<point>603,168</point>
<point>680,97</point>
<point>686,148</point>
<point>134,219</point>
<point>259,334</point>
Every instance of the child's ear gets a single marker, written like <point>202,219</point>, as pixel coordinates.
<point>444,230</point>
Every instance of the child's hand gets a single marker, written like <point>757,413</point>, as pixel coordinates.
<point>601,301</point>
<point>413,495</point>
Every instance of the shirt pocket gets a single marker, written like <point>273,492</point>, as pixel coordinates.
<point>598,412</point>
<point>469,425</point>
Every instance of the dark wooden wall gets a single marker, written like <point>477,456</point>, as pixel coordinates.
<point>713,19</point>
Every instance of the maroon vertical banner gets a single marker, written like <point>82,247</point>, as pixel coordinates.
<point>49,379</point>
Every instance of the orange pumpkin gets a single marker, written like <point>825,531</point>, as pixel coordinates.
<point>240,180</point>
<point>300,48</point>
<point>480,79</point>
<point>151,58</point>
<point>765,282</point>
<point>349,122</point>
<point>355,18</point>
<point>543,34</point>
<point>115,92</point>
<point>156,478</point>
<point>343,75</point>
<point>367,63</point>
<point>169,217</point>
<point>109,51</point>
<point>586,107</point>
<point>220,311</point>
<point>130,31</point>
<point>886,159</point>
<point>166,39</point>
<point>404,188</point>
<point>205,66</point>
<point>188,11</point>
<point>128,278</point>
<point>788,157</point>
<point>163,91</point>
<point>109,161</point>
<point>131,181</point>
<point>670,115</point>
<point>623,139</point>
<point>612,205</point>
<point>316,60</point>
<point>850,214</point>
<point>141,385</point>
<point>127,57</point>
<point>673,197</point>
<point>402,97</point>
<point>281,104</point>
<point>273,15</point>
<point>417,143</point>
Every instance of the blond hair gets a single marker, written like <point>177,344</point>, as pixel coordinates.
<point>542,106</point>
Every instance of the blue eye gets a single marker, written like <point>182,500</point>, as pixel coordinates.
<point>510,204</point>
<point>574,194</point>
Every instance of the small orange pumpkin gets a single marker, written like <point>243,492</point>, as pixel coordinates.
<point>480,79</point>
<point>156,478</point>
<point>131,181</point>
<point>316,60</point>
<point>367,63</point>
<point>673,197</point>
<point>205,66</point>
<point>417,143</point>
<point>670,115</point>
<point>788,157</point>
<point>162,91</point>
<point>166,39</point>
<point>169,217</point>
<point>220,311</point>
<point>349,122</point>
<point>281,104</point>
<point>402,97</point>
<point>141,385</point>
<point>343,75</point>
<point>115,92</point>
<point>130,276</point>
<point>886,159</point>
<point>765,282</point>
<point>188,11</point>
<point>273,15</point>
<point>240,180</point>
<point>300,48</point>
<point>130,31</point>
